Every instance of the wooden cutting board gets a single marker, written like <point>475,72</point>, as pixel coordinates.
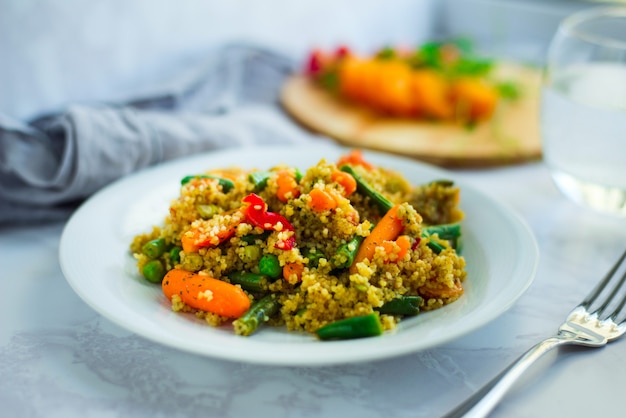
<point>511,136</point>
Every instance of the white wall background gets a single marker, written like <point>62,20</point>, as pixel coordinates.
<point>53,52</point>
<point>517,29</point>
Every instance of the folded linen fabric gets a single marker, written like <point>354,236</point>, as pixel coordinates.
<point>50,164</point>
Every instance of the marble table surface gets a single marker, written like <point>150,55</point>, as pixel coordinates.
<point>59,358</point>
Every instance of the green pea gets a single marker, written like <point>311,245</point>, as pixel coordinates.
<point>207,211</point>
<point>298,175</point>
<point>314,258</point>
<point>153,271</point>
<point>226,184</point>
<point>154,248</point>
<point>270,266</point>
<point>175,255</point>
<point>192,262</point>
<point>250,253</point>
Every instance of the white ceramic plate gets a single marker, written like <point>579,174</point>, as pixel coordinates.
<point>500,251</point>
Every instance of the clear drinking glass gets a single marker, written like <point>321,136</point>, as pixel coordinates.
<point>583,108</point>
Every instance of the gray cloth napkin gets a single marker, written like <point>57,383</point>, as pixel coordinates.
<point>49,165</point>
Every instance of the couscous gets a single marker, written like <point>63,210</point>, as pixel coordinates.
<point>345,249</point>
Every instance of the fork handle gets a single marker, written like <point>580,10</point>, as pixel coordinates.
<point>482,402</point>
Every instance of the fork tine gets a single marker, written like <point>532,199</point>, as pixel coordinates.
<point>605,305</point>
<point>598,290</point>
<point>619,309</point>
<point>592,297</point>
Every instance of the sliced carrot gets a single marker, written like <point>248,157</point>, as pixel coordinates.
<point>345,180</point>
<point>287,186</point>
<point>321,200</point>
<point>188,241</point>
<point>206,293</point>
<point>387,229</point>
<point>388,246</point>
<point>404,242</point>
<point>291,270</point>
<point>212,232</point>
<point>355,157</point>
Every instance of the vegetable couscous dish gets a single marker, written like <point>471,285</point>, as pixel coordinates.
<point>345,249</point>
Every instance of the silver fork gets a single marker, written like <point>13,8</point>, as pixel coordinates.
<point>597,320</point>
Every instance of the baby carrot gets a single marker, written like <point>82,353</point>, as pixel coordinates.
<point>387,229</point>
<point>321,200</point>
<point>345,180</point>
<point>206,293</point>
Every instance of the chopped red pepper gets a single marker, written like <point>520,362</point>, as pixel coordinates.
<point>256,214</point>
<point>342,51</point>
<point>316,62</point>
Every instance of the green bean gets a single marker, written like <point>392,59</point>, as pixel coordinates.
<point>437,247</point>
<point>250,253</point>
<point>270,266</point>
<point>260,312</point>
<point>192,262</point>
<point>403,305</point>
<point>153,271</point>
<point>355,327</point>
<point>445,231</point>
<point>362,186</point>
<point>449,232</point>
<point>442,183</point>
<point>252,282</point>
<point>154,248</point>
<point>259,179</point>
<point>175,255</point>
<point>344,256</point>
<point>226,184</point>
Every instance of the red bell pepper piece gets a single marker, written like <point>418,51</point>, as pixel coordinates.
<point>256,214</point>
<point>342,51</point>
<point>316,62</point>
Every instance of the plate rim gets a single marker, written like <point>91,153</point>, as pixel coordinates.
<point>351,347</point>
